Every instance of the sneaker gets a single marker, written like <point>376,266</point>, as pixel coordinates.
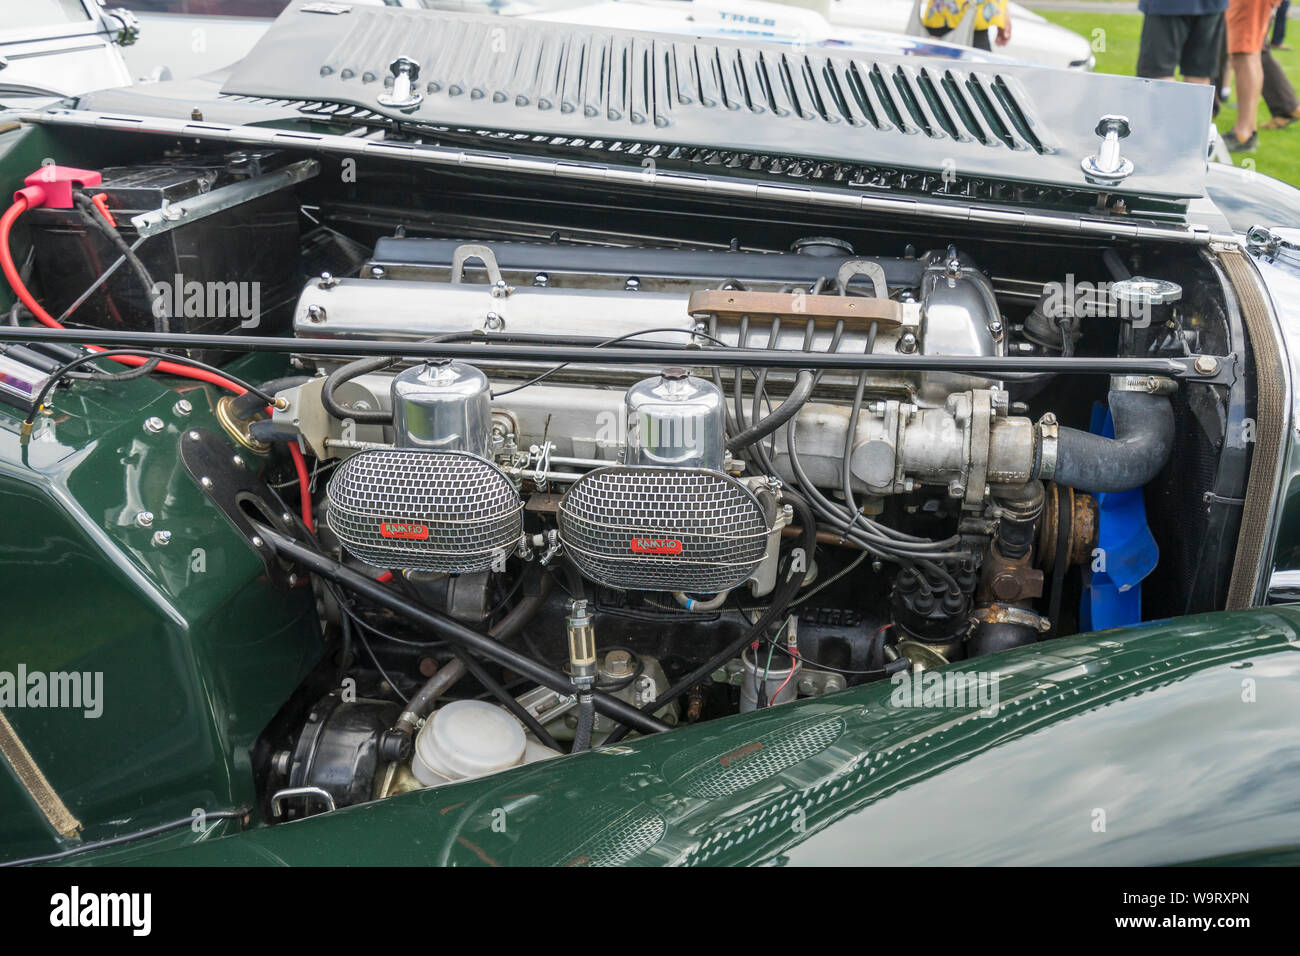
<point>1280,46</point>
<point>1279,122</point>
<point>1241,146</point>
<point>1225,94</point>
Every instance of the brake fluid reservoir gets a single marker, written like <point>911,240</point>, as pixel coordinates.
<point>471,738</point>
<point>676,421</point>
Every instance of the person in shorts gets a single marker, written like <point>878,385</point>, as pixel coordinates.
<point>1248,23</point>
<point>1181,36</point>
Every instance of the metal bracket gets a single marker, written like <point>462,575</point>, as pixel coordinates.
<point>864,267</point>
<point>1208,369</point>
<point>240,494</point>
<point>1147,384</point>
<point>176,214</point>
<point>484,254</point>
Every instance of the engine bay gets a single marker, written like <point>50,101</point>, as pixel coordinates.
<point>560,467</point>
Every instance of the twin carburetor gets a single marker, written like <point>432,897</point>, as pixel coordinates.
<point>669,518</point>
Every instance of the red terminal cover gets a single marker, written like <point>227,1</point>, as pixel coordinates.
<point>51,186</point>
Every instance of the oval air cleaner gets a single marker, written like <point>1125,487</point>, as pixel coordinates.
<point>425,510</point>
<point>663,529</point>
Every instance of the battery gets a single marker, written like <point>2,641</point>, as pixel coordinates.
<point>236,270</point>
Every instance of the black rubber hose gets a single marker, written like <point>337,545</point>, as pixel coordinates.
<point>448,629</point>
<point>455,669</point>
<point>346,373</point>
<point>586,723</point>
<point>505,698</point>
<point>1144,439</point>
<point>803,387</point>
<point>787,587</point>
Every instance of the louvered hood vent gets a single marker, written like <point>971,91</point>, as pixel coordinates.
<point>821,104</point>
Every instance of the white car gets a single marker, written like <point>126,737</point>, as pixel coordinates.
<point>192,37</point>
<point>1033,38</point>
<point>50,49</point>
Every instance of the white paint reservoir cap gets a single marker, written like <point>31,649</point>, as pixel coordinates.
<point>467,738</point>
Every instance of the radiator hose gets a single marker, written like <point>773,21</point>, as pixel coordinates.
<point>1144,439</point>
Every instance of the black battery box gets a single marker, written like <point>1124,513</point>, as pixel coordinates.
<point>234,271</point>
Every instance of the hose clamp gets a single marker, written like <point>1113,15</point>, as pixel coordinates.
<point>1144,384</point>
<point>1049,436</point>
<point>1009,614</point>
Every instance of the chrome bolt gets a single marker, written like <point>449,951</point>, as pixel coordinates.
<point>907,343</point>
<point>144,519</point>
<point>238,461</point>
<point>206,482</point>
<point>327,281</point>
<point>1206,364</point>
<point>193,436</point>
<point>493,322</point>
<point>154,425</point>
<point>293,580</point>
<point>257,541</point>
<point>182,407</point>
<point>377,272</point>
<point>281,762</point>
<point>541,280</point>
<point>162,538</point>
<point>996,328</point>
<point>315,313</point>
<point>500,289</point>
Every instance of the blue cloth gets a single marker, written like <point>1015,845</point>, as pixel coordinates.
<point>1174,8</point>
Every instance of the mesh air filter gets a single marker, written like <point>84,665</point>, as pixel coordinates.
<point>663,529</point>
<point>424,510</point>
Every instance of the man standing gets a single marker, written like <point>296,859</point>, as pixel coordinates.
<point>940,17</point>
<point>1181,35</point>
<point>1247,22</point>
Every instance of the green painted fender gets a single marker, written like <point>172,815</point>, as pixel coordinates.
<point>1171,742</point>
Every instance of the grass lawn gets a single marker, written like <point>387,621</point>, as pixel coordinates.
<point>1117,49</point>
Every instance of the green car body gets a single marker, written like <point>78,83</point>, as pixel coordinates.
<point>1173,742</point>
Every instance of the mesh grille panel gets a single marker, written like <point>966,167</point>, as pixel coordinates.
<point>663,529</point>
<point>714,775</point>
<point>602,834</point>
<point>424,511</point>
